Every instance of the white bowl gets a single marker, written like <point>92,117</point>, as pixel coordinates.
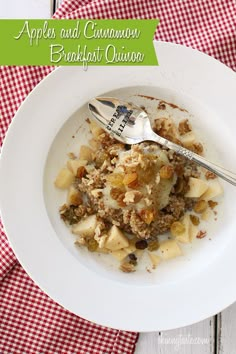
<point>181,291</point>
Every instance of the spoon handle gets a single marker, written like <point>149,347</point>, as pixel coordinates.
<point>218,170</point>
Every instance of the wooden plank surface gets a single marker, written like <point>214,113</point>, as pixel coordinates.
<point>196,339</point>
<point>226,331</point>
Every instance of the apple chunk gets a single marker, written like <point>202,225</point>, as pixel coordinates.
<point>170,249</point>
<point>214,190</point>
<point>86,153</point>
<point>96,130</point>
<point>196,188</point>
<point>64,178</point>
<point>86,227</point>
<point>73,165</point>
<point>116,239</point>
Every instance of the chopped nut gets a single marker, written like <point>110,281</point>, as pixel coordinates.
<point>115,193</point>
<point>132,197</point>
<point>100,157</point>
<point>148,201</point>
<point>127,267</point>
<point>120,200</point>
<point>201,234</point>
<point>97,193</point>
<point>194,219</point>
<point>210,175</point>
<point>212,204</point>
<point>166,171</point>
<point>200,206</point>
<point>196,147</point>
<point>177,228</point>
<point>114,149</point>
<point>158,178</point>
<point>184,127</point>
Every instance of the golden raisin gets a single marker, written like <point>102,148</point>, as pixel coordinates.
<point>153,245</point>
<point>115,179</point>
<point>166,171</point>
<point>92,245</point>
<point>130,178</point>
<point>194,219</point>
<point>147,215</point>
<point>200,206</point>
<point>177,228</point>
<point>81,171</point>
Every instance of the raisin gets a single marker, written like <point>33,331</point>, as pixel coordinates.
<point>141,244</point>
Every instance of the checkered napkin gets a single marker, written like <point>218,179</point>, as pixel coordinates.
<point>30,322</point>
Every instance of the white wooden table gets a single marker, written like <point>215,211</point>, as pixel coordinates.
<point>215,335</point>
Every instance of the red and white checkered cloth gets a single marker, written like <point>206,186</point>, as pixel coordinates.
<point>30,322</point>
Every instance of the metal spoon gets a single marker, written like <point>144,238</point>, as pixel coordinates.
<point>130,125</point>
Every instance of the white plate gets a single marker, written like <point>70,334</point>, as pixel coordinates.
<point>180,292</point>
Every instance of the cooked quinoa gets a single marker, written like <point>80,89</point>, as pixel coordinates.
<point>122,198</point>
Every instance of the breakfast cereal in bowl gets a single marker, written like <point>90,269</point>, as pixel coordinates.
<point>127,200</point>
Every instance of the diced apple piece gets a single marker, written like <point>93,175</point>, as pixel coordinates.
<point>86,153</point>
<point>196,188</point>
<point>188,139</point>
<point>86,227</point>
<point>73,165</point>
<point>206,215</point>
<point>156,260</point>
<point>119,254</point>
<point>94,144</point>
<point>185,236</point>
<point>214,190</point>
<point>130,249</point>
<point>116,239</point>
<point>163,157</point>
<point>64,178</point>
<point>170,249</point>
<point>73,196</point>
<point>95,129</point>
<point>193,231</point>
